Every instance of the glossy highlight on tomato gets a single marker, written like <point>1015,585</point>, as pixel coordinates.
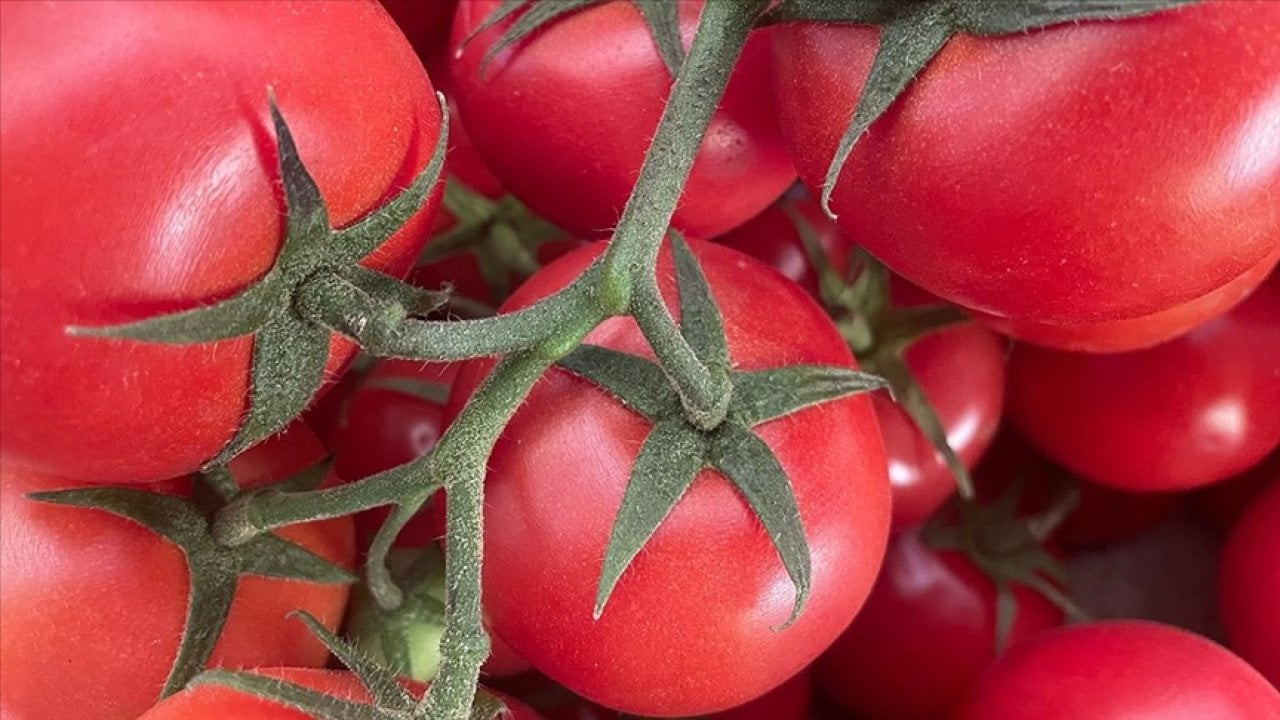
<point>556,479</point>
<point>144,181</point>
<point>563,119</point>
<point>1099,196</point>
<point>92,605</point>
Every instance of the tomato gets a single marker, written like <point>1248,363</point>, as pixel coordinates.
<point>1190,412</point>
<point>462,271</point>
<point>564,118</point>
<point>99,600</point>
<point>424,22</point>
<point>1117,172</point>
<point>151,162</point>
<point>927,632</point>
<point>1249,584</point>
<point>692,626</point>
<point>217,701</point>
<point>1221,504</point>
<point>960,369</point>
<point>788,701</point>
<point>1119,670</point>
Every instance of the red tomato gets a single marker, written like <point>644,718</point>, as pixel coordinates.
<point>1116,171</point>
<point>788,701</point>
<point>960,369</point>
<point>151,162</point>
<point>927,632</point>
<point>1121,670</point>
<point>424,22</point>
<point>1221,504</point>
<point>1190,412</point>
<point>95,597</point>
<point>461,270</point>
<point>205,702</point>
<point>708,590</point>
<point>1249,584</point>
<point>564,119</point>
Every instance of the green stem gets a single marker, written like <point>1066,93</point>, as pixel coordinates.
<point>461,457</point>
<point>631,258</point>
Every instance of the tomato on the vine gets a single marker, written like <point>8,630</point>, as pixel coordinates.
<point>1249,584</point>
<point>209,700</point>
<point>564,117</point>
<point>960,369</point>
<point>1193,411</point>
<point>693,625</point>
<point>152,162</point>
<point>1108,193</point>
<point>92,605</point>
<point>1117,670</point>
<point>788,701</point>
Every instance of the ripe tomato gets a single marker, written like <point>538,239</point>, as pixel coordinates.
<point>1118,170</point>
<point>564,118</point>
<point>217,701</point>
<point>1220,505</point>
<point>99,599</point>
<point>927,632</point>
<point>708,591</point>
<point>425,24</point>
<point>960,369</point>
<point>1249,584</point>
<point>788,701</point>
<point>1190,412</point>
<point>151,161</point>
<point>1119,670</point>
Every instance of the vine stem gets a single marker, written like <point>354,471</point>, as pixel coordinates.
<point>623,282</point>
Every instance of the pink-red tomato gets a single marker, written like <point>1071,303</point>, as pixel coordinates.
<point>152,162</point>
<point>1221,504</point>
<point>92,605</point>
<point>788,701</point>
<point>1249,584</point>
<point>564,118</point>
<point>1116,177</point>
<point>692,626</point>
<point>1190,412</point>
<point>205,702</point>
<point>1121,670</point>
<point>925,635</point>
<point>960,369</point>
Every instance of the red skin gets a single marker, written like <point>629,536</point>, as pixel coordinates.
<point>925,635</point>
<point>94,597</point>
<point>461,270</point>
<point>788,701</point>
<point>1190,412</point>
<point>182,205</point>
<point>1141,178</point>
<point>424,22</point>
<point>1221,504</point>
<point>205,702</point>
<point>708,589</point>
<point>1249,584</point>
<point>961,369</point>
<point>564,119</point>
<point>1121,670</point>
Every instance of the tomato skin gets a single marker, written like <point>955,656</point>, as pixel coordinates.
<point>788,701</point>
<point>1249,584</point>
<point>424,23</point>
<point>1079,201</point>
<point>1190,412</point>
<point>556,480</point>
<point>564,119</point>
<point>1118,670</point>
<point>155,144</point>
<point>95,597</point>
<point>217,701</point>
<point>925,635</point>
<point>1220,505</point>
<point>960,369</point>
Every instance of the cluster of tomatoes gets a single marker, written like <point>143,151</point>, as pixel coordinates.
<point>1056,247</point>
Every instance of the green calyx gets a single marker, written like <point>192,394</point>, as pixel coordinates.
<point>502,234</point>
<point>676,450</point>
<point>661,17</point>
<point>290,350</point>
<point>214,570</point>
<point>391,701</point>
<point>406,639</point>
<point>912,33</point>
<point>1010,549</point>
<point>879,334</point>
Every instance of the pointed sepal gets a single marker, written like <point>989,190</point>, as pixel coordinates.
<point>636,382</point>
<point>663,19</point>
<point>764,395</point>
